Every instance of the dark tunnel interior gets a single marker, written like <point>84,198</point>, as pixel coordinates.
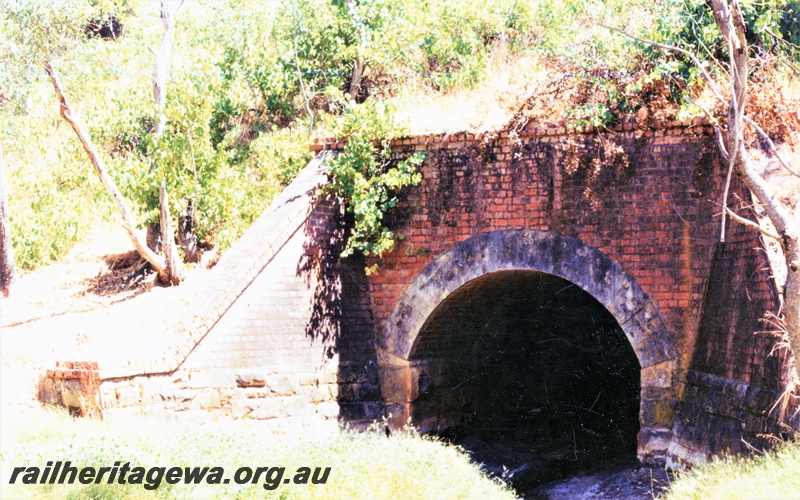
<point>531,374</point>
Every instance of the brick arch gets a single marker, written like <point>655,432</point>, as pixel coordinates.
<point>568,258</point>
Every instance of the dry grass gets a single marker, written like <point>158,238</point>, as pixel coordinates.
<point>489,105</point>
<point>770,476</point>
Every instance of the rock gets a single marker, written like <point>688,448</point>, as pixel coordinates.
<point>250,378</point>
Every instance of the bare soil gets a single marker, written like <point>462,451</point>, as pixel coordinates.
<point>100,302</point>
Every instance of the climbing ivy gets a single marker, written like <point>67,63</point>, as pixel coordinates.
<point>366,178</point>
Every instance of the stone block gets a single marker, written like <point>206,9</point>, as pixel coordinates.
<point>156,389</point>
<point>212,377</point>
<point>396,384</point>
<point>128,395</point>
<point>374,410</point>
<point>329,374</point>
<point>347,392</point>
<point>680,456</point>
<point>240,408</point>
<point>350,411</point>
<point>321,393</point>
<point>328,409</point>
<point>657,413</point>
<point>264,409</point>
<point>397,414</point>
<point>282,385</point>
<point>658,375</point>
<point>350,373</point>
<point>49,392</point>
<point>181,378</point>
<point>653,444</point>
<point>250,378</point>
<point>108,395</point>
<point>183,399</point>
<point>205,400</point>
<point>296,405</point>
<point>260,409</point>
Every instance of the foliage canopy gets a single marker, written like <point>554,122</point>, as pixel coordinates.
<point>253,82</point>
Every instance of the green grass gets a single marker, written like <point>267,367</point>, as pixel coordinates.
<point>363,465</point>
<point>773,475</point>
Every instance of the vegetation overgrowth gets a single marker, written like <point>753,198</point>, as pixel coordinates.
<point>251,84</point>
<point>770,475</point>
<point>363,464</point>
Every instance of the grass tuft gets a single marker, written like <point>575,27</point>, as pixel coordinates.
<point>772,475</point>
<point>363,464</point>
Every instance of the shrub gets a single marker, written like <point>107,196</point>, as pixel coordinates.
<point>366,178</point>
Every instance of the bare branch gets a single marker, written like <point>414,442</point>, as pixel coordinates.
<point>780,39</point>
<point>161,67</point>
<point>746,222</point>
<point>731,163</point>
<point>789,63</point>
<point>673,48</point>
<point>771,145</point>
<point>715,123</point>
<point>300,78</point>
<point>731,25</point>
<point>717,64</point>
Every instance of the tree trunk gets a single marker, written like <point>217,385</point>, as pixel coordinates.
<point>187,239</point>
<point>358,62</point>
<point>174,267</point>
<point>791,299</point>
<point>127,221</point>
<point>730,22</point>
<point>7,270</point>
<point>160,71</point>
<point>153,238</point>
<point>355,81</point>
<point>161,68</point>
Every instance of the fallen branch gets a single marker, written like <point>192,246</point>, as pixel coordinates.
<point>156,261</point>
<point>746,222</point>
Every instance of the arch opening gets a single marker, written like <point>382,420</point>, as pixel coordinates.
<point>529,372</point>
<point>410,358</point>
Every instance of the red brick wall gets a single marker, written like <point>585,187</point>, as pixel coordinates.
<point>735,342</point>
<point>652,210</point>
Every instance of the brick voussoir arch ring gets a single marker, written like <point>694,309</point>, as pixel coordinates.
<point>550,253</point>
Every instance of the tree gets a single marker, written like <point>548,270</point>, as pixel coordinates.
<point>38,33</point>
<point>7,272</point>
<point>729,19</point>
<point>166,272</point>
<point>174,266</point>
<point>739,157</point>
